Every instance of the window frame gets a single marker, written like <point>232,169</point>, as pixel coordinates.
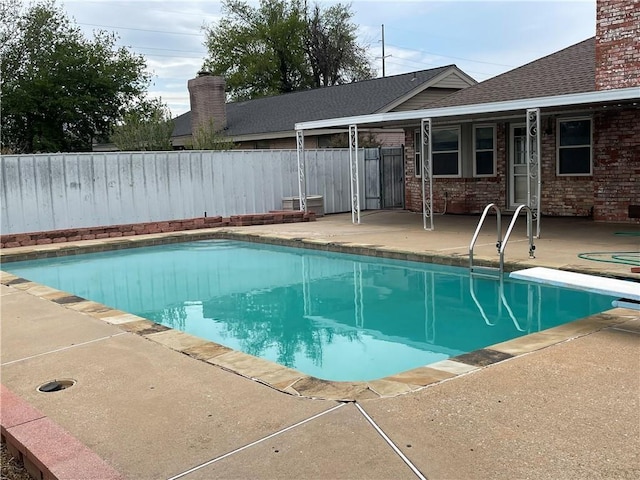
<point>459,150</point>
<point>494,150</point>
<point>558,147</point>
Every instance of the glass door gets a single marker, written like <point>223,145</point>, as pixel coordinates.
<point>517,166</point>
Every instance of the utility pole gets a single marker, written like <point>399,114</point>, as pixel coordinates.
<point>383,72</point>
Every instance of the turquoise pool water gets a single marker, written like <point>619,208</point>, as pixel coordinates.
<point>333,316</point>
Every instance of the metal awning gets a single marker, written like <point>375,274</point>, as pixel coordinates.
<point>573,99</point>
<point>531,107</point>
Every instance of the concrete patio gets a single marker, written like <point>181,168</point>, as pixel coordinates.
<point>142,410</point>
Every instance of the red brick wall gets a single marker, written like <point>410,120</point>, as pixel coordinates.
<point>607,194</point>
<point>411,184</point>
<point>561,195</point>
<point>617,44</point>
<point>616,165</point>
<point>463,195</point>
<point>94,233</point>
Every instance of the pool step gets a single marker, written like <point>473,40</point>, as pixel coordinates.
<point>490,272</point>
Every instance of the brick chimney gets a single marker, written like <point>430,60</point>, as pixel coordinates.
<point>617,44</point>
<point>207,98</point>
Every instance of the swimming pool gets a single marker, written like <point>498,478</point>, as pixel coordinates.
<point>332,316</point>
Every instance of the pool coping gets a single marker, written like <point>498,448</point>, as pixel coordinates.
<point>277,376</point>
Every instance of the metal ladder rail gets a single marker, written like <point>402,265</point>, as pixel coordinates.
<point>472,291</point>
<point>503,245</point>
<point>503,298</point>
<point>502,302</point>
<point>499,241</point>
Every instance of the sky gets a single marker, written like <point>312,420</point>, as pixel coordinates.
<point>483,38</point>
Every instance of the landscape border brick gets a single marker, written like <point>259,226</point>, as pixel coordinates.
<point>131,229</point>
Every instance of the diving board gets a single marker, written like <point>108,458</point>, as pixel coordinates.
<point>580,281</point>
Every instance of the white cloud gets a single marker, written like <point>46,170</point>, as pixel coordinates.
<point>418,34</point>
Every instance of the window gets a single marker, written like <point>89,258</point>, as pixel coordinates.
<point>417,147</point>
<point>484,151</point>
<point>445,152</point>
<point>325,141</point>
<point>574,146</point>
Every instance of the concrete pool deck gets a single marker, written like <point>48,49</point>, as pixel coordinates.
<point>568,410</point>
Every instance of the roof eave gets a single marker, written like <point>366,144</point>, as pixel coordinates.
<point>594,97</point>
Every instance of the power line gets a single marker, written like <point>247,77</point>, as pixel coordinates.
<point>395,62</point>
<point>168,56</point>
<point>140,29</point>
<point>451,56</point>
<point>163,49</point>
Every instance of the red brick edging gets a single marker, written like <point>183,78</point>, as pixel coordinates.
<point>131,229</point>
<point>46,449</point>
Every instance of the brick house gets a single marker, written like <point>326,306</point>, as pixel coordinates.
<point>578,107</point>
<point>269,122</point>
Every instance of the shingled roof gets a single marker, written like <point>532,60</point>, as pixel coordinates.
<point>280,113</point>
<point>571,70</point>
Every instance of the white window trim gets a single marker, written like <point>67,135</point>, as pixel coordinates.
<point>570,119</point>
<point>494,150</point>
<point>433,152</point>
<point>417,145</point>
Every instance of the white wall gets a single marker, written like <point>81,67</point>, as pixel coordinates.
<point>58,191</point>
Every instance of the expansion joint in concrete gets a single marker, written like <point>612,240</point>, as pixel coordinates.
<point>286,429</point>
<point>393,446</point>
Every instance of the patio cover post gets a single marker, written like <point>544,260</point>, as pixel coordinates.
<point>355,175</point>
<point>534,173</point>
<point>426,173</point>
<point>302,170</point>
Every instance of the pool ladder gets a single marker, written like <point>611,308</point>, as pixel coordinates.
<point>497,272</point>
<point>501,242</point>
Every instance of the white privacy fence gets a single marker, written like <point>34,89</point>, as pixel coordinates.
<point>58,191</point>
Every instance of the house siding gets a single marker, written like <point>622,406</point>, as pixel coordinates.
<point>423,99</point>
<point>452,81</point>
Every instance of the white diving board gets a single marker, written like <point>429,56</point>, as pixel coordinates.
<point>612,287</point>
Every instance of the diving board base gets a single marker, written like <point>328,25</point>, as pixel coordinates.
<point>623,289</point>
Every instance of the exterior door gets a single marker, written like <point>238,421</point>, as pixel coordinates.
<point>372,179</point>
<point>392,176</point>
<point>517,165</point>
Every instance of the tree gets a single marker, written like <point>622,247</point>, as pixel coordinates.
<point>59,89</point>
<point>147,126</point>
<point>208,137</point>
<point>365,140</point>
<point>331,46</point>
<point>278,47</point>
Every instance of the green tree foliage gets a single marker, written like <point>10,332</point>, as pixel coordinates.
<point>209,137</point>
<point>278,47</point>
<point>365,140</point>
<point>59,89</point>
<point>147,126</point>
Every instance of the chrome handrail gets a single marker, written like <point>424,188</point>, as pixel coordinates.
<point>503,246</point>
<point>479,227</point>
